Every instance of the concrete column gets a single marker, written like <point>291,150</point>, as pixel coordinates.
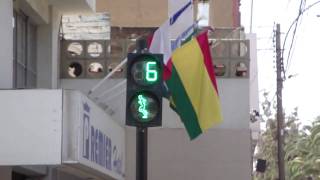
<point>6,50</point>
<point>52,174</point>
<point>49,52</point>
<point>44,70</point>
<point>56,18</point>
<point>221,13</point>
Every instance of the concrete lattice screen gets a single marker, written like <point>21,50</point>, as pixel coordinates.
<point>230,52</point>
<point>91,48</point>
<point>110,45</point>
<point>86,48</point>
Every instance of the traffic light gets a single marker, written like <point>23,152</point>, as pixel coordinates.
<point>144,90</point>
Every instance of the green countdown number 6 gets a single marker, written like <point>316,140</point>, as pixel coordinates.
<point>151,72</point>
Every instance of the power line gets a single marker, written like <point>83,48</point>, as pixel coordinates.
<point>293,23</point>
<point>266,49</point>
<point>293,37</point>
<point>306,9</point>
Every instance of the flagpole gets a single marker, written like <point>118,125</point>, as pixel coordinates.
<point>111,89</point>
<point>107,77</point>
<point>115,95</point>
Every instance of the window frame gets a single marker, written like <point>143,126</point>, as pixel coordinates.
<point>24,66</point>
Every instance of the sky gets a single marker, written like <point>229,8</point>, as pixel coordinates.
<point>303,89</point>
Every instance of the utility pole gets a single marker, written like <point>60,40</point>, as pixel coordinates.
<point>280,119</point>
<point>251,16</point>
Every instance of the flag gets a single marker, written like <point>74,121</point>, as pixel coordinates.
<point>193,86</point>
<point>181,21</point>
<point>160,41</point>
<point>173,31</point>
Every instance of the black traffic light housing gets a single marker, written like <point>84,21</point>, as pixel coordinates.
<point>144,89</point>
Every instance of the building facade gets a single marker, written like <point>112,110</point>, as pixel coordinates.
<point>54,130</point>
<point>49,133</point>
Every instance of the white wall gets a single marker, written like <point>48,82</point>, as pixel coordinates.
<point>254,88</point>
<point>30,133</point>
<point>234,98</point>
<point>218,154</point>
<point>6,50</point>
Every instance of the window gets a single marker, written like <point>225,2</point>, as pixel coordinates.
<point>203,13</point>
<point>24,51</point>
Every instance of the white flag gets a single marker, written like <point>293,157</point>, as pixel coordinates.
<point>179,26</point>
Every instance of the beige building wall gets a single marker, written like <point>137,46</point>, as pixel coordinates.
<point>224,13</point>
<point>135,13</point>
<point>152,13</point>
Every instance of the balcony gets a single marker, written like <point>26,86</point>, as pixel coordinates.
<point>62,128</point>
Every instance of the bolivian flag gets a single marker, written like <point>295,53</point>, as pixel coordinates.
<point>193,86</point>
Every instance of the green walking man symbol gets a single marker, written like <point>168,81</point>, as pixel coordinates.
<point>142,106</point>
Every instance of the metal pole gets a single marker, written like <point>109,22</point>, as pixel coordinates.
<point>111,89</point>
<point>142,135</point>
<point>251,16</point>
<point>142,153</point>
<point>280,118</point>
<point>107,77</point>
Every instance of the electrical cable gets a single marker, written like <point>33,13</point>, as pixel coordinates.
<point>289,60</point>
<point>293,39</point>
<point>293,23</point>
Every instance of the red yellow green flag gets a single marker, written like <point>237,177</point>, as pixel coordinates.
<point>193,86</point>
